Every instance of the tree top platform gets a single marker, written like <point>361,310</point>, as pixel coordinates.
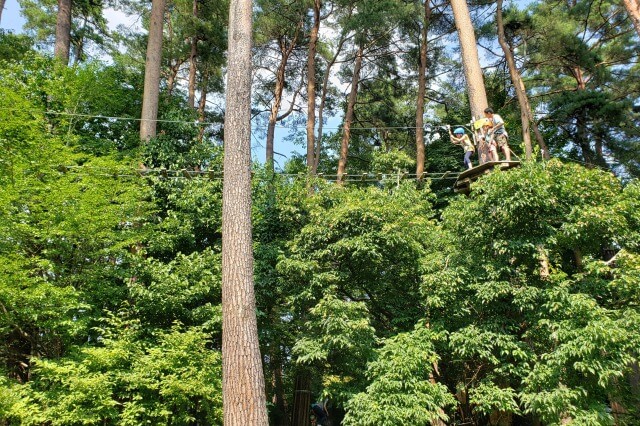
<point>463,183</point>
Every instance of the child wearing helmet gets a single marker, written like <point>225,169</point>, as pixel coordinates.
<point>459,137</point>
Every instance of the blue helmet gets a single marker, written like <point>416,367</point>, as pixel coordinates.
<point>459,131</point>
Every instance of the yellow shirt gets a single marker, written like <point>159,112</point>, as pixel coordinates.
<point>464,141</point>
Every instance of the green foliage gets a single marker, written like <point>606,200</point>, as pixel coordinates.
<point>173,378</point>
<point>533,312</point>
<point>402,390</point>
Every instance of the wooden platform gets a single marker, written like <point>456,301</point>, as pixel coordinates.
<point>463,183</point>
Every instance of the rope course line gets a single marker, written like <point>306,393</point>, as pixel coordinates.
<point>163,173</point>
<point>207,123</point>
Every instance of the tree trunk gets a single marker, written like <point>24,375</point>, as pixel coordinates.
<point>323,98</point>
<point>172,77</point>
<point>348,118</point>
<point>301,400</point>
<point>285,52</point>
<point>202,105</point>
<point>518,84</point>
<point>244,401</point>
<point>1,9</point>
<point>278,397</point>
<point>633,8</point>
<point>152,72</point>
<point>191,100</point>
<point>311,87</point>
<point>63,31</point>
<point>470,60</point>
<point>422,84</point>
<point>526,117</point>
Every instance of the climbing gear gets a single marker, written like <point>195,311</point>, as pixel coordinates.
<point>459,131</point>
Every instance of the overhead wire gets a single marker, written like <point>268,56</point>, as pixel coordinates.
<point>163,173</point>
<point>205,123</point>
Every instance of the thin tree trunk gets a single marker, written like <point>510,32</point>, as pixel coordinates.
<point>470,60</point>
<point>244,401</point>
<point>422,84</point>
<point>518,84</point>
<point>348,118</point>
<point>633,8</point>
<point>63,31</point>
<point>278,398</point>
<point>301,400</point>
<point>202,105</point>
<point>526,117</point>
<point>152,72</point>
<point>311,86</point>
<point>323,98</point>
<point>285,52</point>
<point>191,100</point>
<point>174,69</point>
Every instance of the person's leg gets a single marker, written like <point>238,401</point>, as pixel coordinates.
<point>493,152</point>
<point>467,159</point>
<point>505,147</point>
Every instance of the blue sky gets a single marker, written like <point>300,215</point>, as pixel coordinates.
<point>11,19</point>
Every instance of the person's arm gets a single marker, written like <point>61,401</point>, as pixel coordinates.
<point>452,138</point>
<point>496,124</point>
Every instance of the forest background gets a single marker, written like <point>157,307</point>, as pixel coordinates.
<point>394,299</point>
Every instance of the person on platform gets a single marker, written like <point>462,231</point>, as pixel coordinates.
<point>459,137</point>
<point>498,133</point>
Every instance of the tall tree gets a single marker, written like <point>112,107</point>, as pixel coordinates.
<point>422,83</point>
<point>243,381</point>
<point>286,46</point>
<point>152,72</point>
<point>311,86</point>
<point>526,117</point>
<point>63,31</point>
<point>585,54</point>
<point>470,60</point>
<point>191,99</point>
<point>278,30</point>
<point>324,93</point>
<point>348,118</point>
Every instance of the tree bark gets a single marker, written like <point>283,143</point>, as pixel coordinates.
<point>152,72</point>
<point>301,400</point>
<point>422,84</point>
<point>191,100</point>
<point>348,118</point>
<point>311,87</point>
<point>633,8</point>
<point>1,9</point>
<point>244,401</point>
<point>63,31</point>
<point>470,60</point>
